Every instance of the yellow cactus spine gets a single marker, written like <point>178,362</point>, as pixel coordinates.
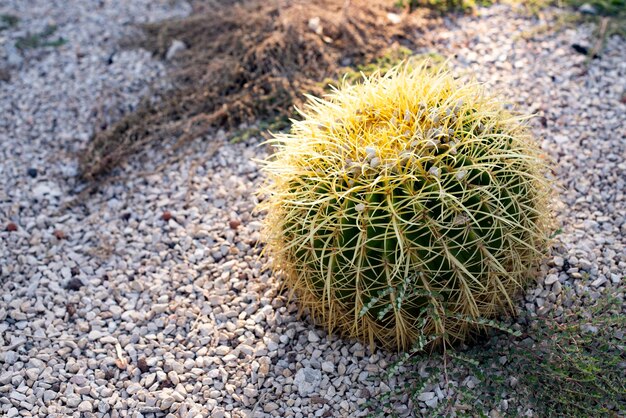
<point>406,209</point>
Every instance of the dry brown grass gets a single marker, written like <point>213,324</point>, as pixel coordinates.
<point>249,61</point>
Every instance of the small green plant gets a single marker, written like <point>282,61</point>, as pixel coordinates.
<point>406,208</point>
<point>8,21</point>
<point>574,367</point>
<point>40,40</point>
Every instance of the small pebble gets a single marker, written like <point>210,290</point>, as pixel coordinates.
<point>74,284</point>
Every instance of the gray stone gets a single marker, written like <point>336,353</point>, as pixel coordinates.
<point>167,403</point>
<point>599,281</point>
<point>49,395</point>
<point>587,8</point>
<point>133,388</point>
<point>307,380</point>
<point>32,373</point>
<point>176,47</point>
<point>432,403</point>
<point>10,357</point>
<point>270,407</point>
<point>551,279</point>
<point>85,406</point>
<point>5,378</point>
<point>17,396</point>
<point>73,400</point>
<point>328,367</point>
<point>426,396</point>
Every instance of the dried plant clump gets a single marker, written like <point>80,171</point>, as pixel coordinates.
<point>246,62</point>
<point>408,209</point>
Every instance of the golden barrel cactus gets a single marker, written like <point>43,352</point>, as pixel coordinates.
<point>406,209</point>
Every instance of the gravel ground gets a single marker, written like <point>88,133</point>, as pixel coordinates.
<point>151,298</point>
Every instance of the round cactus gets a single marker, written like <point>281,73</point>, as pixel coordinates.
<point>406,209</point>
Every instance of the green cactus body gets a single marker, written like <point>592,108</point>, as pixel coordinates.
<point>405,207</point>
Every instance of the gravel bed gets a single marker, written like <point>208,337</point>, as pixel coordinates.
<point>152,297</point>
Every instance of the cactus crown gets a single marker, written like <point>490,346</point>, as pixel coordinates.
<point>407,208</point>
